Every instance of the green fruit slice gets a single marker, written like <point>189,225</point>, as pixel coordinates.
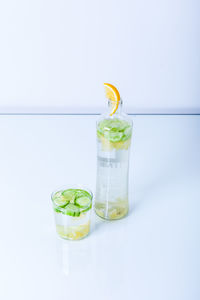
<point>114,130</point>
<point>113,136</point>
<point>83,202</point>
<point>72,210</point>
<point>82,193</point>
<point>57,210</point>
<point>69,195</point>
<point>59,200</point>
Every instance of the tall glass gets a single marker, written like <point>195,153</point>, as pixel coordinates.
<point>113,145</point>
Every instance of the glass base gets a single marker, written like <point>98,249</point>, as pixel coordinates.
<point>116,214</point>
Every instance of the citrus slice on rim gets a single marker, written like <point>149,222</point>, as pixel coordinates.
<point>113,95</point>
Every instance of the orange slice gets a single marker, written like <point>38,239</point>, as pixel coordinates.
<point>113,95</point>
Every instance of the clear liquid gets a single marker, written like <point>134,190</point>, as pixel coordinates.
<point>72,228</point>
<point>112,180</point>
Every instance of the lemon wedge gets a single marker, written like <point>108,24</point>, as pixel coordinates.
<point>113,95</point>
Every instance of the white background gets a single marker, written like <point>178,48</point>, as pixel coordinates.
<point>55,55</point>
<point>152,254</point>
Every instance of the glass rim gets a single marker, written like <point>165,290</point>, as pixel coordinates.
<point>70,186</point>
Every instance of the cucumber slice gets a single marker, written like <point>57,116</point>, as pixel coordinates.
<point>83,202</point>
<point>57,210</point>
<point>59,200</point>
<point>82,193</point>
<point>113,136</point>
<point>114,130</point>
<point>57,195</point>
<point>69,195</point>
<point>72,210</point>
<point>84,209</point>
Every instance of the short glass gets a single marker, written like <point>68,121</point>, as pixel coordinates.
<point>72,210</point>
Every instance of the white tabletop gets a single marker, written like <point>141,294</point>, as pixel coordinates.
<point>152,254</point>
